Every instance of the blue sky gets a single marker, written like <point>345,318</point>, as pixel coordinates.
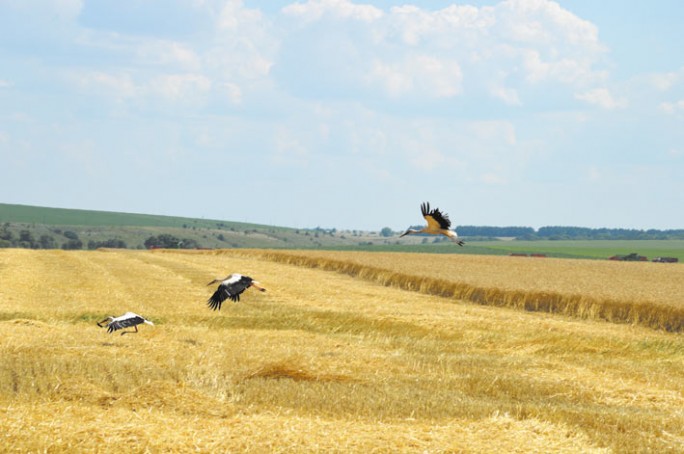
<point>346,114</point>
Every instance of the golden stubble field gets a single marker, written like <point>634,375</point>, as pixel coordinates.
<point>322,361</point>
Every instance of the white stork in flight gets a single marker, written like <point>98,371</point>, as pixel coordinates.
<point>438,224</point>
<point>231,287</point>
<point>124,321</point>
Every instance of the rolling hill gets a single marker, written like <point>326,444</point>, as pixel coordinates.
<point>133,229</point>
<point>35,227</point>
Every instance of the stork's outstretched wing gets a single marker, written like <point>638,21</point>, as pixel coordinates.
<point>220,295</point>
<point>435,218</point>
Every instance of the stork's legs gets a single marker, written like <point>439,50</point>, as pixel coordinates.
<point>130,332</point>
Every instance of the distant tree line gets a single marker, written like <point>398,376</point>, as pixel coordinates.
<point>70,240</point>
<point>494,232</point>
<point>111,243</point>
<point>167,241</point>
<point>67,240</point>
<point>26,240</point>
<point>569,233</point>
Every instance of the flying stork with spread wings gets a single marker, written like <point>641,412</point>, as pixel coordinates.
<point>231,287</point>
<point>438,223</point>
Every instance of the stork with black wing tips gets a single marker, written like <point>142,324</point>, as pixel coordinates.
<point>231,288</point>
<point>124,321</point>
<point>438,223</point>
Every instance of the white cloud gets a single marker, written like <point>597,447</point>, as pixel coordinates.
<point>507,95</point>
<point>428,158</point>
<point>665,81</point>
<point>593,174</point>
<point>371,139</point>
<point>492,178</point>
<point>232,58</point>
<point>546,25</point>
<point>237,65</point>
<point>422,75</point>
<point>668,108</point>
<point>240,56</point>
<point>234,16</point>
<point>61,9</point>
<point>412,53</point>
<point>84,154</point>
<point>181,86</point>
<point>567,70</point>
<point>170,53</point>
<point>186,88</point>
<point>672,107</point>
<point>119,86</point>
<point>462,23</point>
<point>603,98</point>
<point>231,91</point>
<point>493,132</point>
<point>289,148</point>
<point>406,52</point>
<point>314,10</point>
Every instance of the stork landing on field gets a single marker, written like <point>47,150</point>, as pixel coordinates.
<point>231,287</point>
<point>124,321</point>
<point>438,224</point>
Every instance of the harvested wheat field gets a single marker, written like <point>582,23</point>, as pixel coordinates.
<point>323,361</point>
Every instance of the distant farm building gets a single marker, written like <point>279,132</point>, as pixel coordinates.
<point>633,257</point>
<point>666,259</point>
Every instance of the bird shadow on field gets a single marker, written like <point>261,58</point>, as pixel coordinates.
<point>27,322</point>
<point>286,370</point>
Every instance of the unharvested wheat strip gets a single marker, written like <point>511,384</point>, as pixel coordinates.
<point>650,295</point>
<point>650,282</point>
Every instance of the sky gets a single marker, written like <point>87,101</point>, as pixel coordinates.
<point>345,114</point>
